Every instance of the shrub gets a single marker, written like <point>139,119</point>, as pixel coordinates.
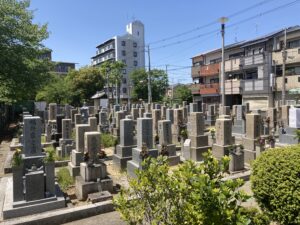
<point>107,140</point>
<point>276,184</point>
<point>64,179</point>
<point>190,194</point>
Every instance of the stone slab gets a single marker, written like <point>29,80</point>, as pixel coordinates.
<point>121,162</point>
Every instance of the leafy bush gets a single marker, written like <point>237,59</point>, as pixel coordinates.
<point>257,218</point>
<point>64,179</point>
<point>107,140</point>
<point>276,184</point>
<point>190,194</point>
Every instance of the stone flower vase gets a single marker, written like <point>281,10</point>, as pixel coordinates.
<point>18,189</point>
<point>50,178</point>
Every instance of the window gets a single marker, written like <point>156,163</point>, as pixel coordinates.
<point>298,79</point>
<point>124,90</point>
<point>124,71</point>
<point>261,50</point>
<point>135,63</point>
<point>286,80</point>
<point>123,43</point>
<point>124,61</point>
<point>293,44</point>
<point>124,81</point>
<point>134,44</point>
<point>123,53</point>
<point>134,54</point>
<point>215,60</point>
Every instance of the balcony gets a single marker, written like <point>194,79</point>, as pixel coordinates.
<point>293,56</point>
<point>208,89</point>
<point>253,60</point>
<point>292,82</point>
<point>233,87</point>
<point>210,70</point>
<point>232,64</point>
<point>195,71</point>
<point>255,86</point>
<point>195,89</point>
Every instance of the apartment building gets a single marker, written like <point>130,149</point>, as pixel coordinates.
<point>60,68</point>
<point>253,71</point>
<point>128,48</point>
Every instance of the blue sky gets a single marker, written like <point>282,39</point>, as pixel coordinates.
<point>78,26</point>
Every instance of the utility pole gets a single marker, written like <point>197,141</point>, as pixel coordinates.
<point>223,20</point>
<point>149,77</point>
<point>284,56</point>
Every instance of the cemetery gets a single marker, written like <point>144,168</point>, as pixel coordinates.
<point>70,139</point>
<point>118,137</point>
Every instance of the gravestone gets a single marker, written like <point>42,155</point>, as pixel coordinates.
<point>144,142</point>
<point>223,137</point>
<point>178,125</point>
<point>199,141</point>
<point>124,149</point>
<point>253,132</point>
<point>141,112</point>
<point>119,116</point>
<point>66,143</point>
<point>33,189</point>
<point>52,111</point>
<point>287,135</point>
<point>77,153</point>
<point>165,146</point>
<point>156,116</point>
<point>163,112</point>
<point>103,121</point>
<point>93,172</point>
<point>135,113</point>
<point>211,116</point>
<point>239,123</point>
<point>170,115</point>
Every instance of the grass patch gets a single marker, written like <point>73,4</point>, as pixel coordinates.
<point>43,139</point>
<point>64,179</point>
<point>108,140</point>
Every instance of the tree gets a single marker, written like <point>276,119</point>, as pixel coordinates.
<point>191,194</point>
<point>276,184</point>
<point>55,91</point>
<point>84,83</point>
<point>182,93</point>
<point>159,84</point>
<point>22,71</point>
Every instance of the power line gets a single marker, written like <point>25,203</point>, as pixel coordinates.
<point>211,23</point>
<point>231,25</point>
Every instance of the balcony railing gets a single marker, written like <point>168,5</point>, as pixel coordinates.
<point>206,89</point>
<point>253,60</point>
<point>210,70</point>
<point>292,82</point>
<point>233,87</point>
<point>195,89</point>
<point>293,56</point>
<point>232,64</point>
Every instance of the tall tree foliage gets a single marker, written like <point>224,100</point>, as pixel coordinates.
<point>83,84</point>
<point>22,73</point>
<point>182,93</point>
<point>55,90</point>
<point>159,84</point>
<point>191,194</point>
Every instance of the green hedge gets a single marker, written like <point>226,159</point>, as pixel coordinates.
<point>275,183</point>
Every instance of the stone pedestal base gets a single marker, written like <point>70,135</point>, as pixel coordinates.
<point>23,208</point>
<point>74,170</point>
<point>120,162</point>
<point>93,172</point>
<point>84,188</point>
<point>236,162</point>
<point>136,162</point>
<point>289,137</point>
<point>197,153</point>
<point>249,156</point>
<point>219,151</point>
<point>172,158</point>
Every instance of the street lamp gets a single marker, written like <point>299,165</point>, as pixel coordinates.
<point>223,20</point>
